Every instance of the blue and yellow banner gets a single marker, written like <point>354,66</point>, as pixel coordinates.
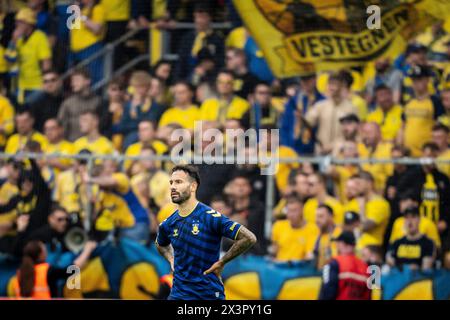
<point>128,270</point>
<point>303,36</point>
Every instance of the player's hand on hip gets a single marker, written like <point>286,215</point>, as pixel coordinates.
<point>216,268</point>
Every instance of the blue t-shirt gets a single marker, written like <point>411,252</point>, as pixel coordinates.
<point>196,240</point>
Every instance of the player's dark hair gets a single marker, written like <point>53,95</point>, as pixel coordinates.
<point>327,208</point>
<point>191,171</point>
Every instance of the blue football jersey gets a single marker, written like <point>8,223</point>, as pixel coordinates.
<point>196,240</point>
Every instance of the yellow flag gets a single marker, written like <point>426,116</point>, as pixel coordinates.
<point>303,36</point>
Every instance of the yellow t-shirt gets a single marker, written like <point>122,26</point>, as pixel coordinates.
<point>444,167</point>
<point>63,147</point>
<point>69,193</point>
<point>7,191</point>
<point>344,173</point>
<point>294,244</point>
<point>429,207</point>
<point>17,142</point>
<point>361,106</point>
<point>216,110</point>
<point>379,171</point>
<point>311,205</point>
<point>390,122</point>
<point>352,205</point>
<point>6,119</point>
<point>419,121</point>
<point>379,211</point>
<point>83,38</point>
<point>184,117</point>
<point>135,150</point>
<point>101,146</point>
<point>426,227</point>
<point>284,169</point>
<point>31,53</point>
<point>116,10</point>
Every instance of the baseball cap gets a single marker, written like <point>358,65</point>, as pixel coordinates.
<point>26,15</point>
<point>347,237</point>
<point>351,117</point>
<point>419,72</point>
<point>350,217</point>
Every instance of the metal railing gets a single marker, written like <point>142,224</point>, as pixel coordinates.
<point>322,161</point>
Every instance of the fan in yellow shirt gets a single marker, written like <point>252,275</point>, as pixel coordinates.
<point>8,190</point>
<point>6,119</point>
<point>387,115</point>
<point>92,140</point>
<point>184,112</point>
<point>324,248</point>
<point>318,193</point>
<point>90,29</point>
<point>375,215</point>
<point>420,113</point>
<point>25,132</point>
<point>227,105</point>
<point>294,238</point>
<point>146,136</point>
<point>28,53</point>
<point>341,173</point>
<point>54,132</point>
<point>373,147</point>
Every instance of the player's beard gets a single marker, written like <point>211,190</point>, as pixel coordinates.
<point>181,197</point>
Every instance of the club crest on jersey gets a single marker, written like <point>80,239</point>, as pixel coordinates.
<point>195,229</point>
<point>175,232</point>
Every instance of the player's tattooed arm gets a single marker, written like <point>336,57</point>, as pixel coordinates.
<point>244,241</point>
<point>166,252</point>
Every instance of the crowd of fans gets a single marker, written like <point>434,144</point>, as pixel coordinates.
<point>400,214</point>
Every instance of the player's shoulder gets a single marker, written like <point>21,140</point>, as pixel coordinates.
<point>208,211</point>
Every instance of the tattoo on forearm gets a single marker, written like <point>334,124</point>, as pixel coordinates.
<point>245,240</point>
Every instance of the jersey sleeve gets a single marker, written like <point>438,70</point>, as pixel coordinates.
<point>330,281</point>
<point>228,228</point>
<point>162,239</point>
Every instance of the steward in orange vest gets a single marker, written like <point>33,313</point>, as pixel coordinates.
<point>345,276</point>
<point>41,289</point>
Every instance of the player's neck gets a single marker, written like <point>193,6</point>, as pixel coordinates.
<point>185,208</point>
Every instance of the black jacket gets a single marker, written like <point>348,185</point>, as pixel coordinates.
<point>44,108</point>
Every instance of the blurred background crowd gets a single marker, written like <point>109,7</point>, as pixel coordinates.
<point>390,108</point>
